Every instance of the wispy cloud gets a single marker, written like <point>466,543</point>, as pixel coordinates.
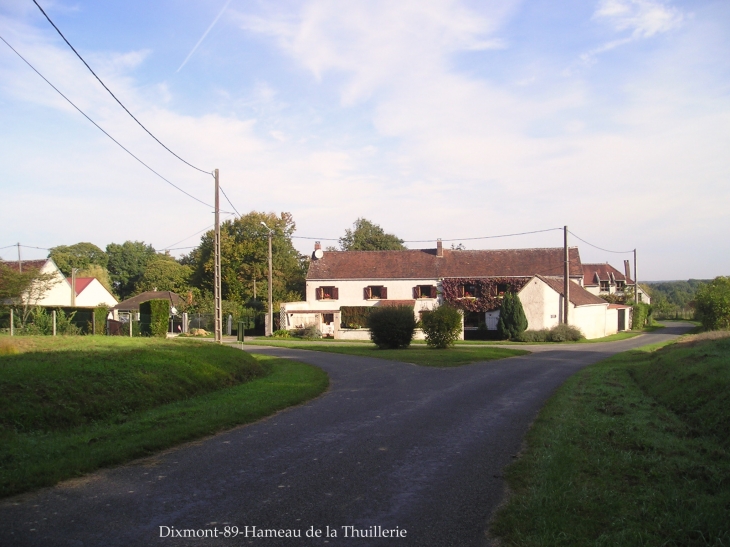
<point>220,13</point>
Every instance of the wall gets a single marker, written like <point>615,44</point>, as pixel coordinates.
<point>95,294</point>
<point>542,305</point>
<point>591,320</point>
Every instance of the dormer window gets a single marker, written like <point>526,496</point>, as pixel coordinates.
<point>604,286</point>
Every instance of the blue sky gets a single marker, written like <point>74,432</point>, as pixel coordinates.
<point>431,118</point>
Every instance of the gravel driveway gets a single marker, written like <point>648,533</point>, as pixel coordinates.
<point>392,449</point>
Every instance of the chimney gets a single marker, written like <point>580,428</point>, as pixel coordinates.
<point>317,245</point>
<point>439,248</point>
<point>627,269</point>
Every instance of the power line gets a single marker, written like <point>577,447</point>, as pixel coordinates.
<point>169,247</point>
<point>114,96</point>
<point>600,248</point>
<point>228,200</point>
<point>483,237</point>
<point>100,128</point>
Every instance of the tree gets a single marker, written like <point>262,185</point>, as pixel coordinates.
<point>24,290</point>
<point>512,320</point>
<point>80,255</point>
<point>713,304</point>
<point>367,236</point>
<point>442,326</point>
<point>127,263</point>
<point>164,273</point>
<point>244,258</point>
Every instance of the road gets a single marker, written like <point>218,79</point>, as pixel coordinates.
<point>414,450</point>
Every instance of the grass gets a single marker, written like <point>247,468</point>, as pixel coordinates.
<point>452,357</point>
<point>631,451</point>
<point>91,402</point>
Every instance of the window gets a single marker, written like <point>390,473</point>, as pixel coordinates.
<point>502,288</point>
<point>604,286</point>
<point>376,292</point>
<point>327,293</point>
<point>469,290</point>
<point>425,291</point>
<point>328,318</point>
<point>620,285</point>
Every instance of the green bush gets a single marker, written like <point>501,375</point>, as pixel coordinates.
<point>542,335</point>
<point>100,313</point>
<point>442,326</point>
<point>713,304</point>
<point>512,320</point>
<point>155,317</point>
<point>392,327</point>
<point>355,317</point>
<point>281,333</point>
<point>41,323</point>
<point>565,333</point>
<point>310,332</point>
<point>642,316</point>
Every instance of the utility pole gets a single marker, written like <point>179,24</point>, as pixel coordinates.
<point>217,268</point>
<point>636,281</point>
<point>270,327</point>
<point>566,276</point>
<point>73,286</point>
<point>20,262</point>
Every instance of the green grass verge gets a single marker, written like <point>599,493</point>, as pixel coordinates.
<point>630,451</point>
<point>38,450</point>
<point>451,357</point>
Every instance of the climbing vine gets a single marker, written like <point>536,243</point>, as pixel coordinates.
<point>484,291</point>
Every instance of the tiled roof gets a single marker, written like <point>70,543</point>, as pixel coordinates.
<point>603,271</point>
<point>81,283</point>
<point>132,304</point>
<point>27,264</point>
<point>424,264</point>
<point>578,295</point>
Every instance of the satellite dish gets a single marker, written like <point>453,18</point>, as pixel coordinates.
<point>318,253</point>
<point>173,310</point>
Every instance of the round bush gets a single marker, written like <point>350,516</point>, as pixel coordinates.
<point>442,326</point>
<point>565,333</point>
<point>392,327</point>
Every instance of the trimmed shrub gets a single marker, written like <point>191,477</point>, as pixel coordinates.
<point>355,317</point>
<point>512,320</point>
<point>641,316</point>
<point>281,333</point>
<point>310,332</point>
<point>100,313</point>
<point>542,335</point>
<point>392,326</point>
<point>565,333</point>
<point>442,326</point>
<point>154,317</point>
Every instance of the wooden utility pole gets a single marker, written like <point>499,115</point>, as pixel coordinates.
<point>217,274</point>
<point>566,276</point>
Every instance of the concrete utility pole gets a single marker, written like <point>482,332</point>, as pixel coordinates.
<point>636,281</point>
<point>20,262</point>
<point>270,326</point>
<point>566,276</point>
<point>73,286</point>
<point>217,268</point>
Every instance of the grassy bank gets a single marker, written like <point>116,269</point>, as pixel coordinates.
<point>420,355</point>
<point>72,405</point>
<point>631,451</point>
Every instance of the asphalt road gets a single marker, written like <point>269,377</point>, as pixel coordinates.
<point>414,450</point>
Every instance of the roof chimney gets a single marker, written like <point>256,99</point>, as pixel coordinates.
<point>627,269</point>
<point>317,245</point>
<point>439,248</point>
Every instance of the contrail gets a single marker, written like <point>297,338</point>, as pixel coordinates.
<point>203,36</point>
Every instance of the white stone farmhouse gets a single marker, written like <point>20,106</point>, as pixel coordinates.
<point>473,281</point>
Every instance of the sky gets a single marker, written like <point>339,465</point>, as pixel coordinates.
<point>432,118</point>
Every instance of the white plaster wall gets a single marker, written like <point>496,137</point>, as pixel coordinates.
<point>541,304</point>
<point>611,321</point>
<point>591,320</point>
<point>351,292</point>
<point>95,294</point>
<point>60,291</point>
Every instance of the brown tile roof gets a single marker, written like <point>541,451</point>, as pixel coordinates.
<point>132,304</point>
<point>603,271</point>
<point>27,264</point>
<point>424,264</point>
<point>578,295</point>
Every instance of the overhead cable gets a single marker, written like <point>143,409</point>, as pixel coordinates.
<point>600,248</point>
<point>228,200</point>
<point>100,128</point>
<point>114,96</point>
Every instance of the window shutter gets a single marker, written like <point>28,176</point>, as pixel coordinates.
<point>416,292</point>
<point>335,293</point>
<point>384,293</point>
<point>318,292</point>
<point>434,291</point>
<point>366,293</point>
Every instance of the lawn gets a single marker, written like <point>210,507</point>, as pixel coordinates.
<point>630,451</point>
<point>75,404</point>
<point>419,355</point>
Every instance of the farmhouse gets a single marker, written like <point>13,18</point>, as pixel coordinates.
<point>341,282</point>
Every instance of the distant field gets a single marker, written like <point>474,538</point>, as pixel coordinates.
<point>634,450</point>
<point>74,404</point>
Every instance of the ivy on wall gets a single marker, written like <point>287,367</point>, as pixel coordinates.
<point>486,295</point>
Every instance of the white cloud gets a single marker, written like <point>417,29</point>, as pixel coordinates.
<point>643,18</point>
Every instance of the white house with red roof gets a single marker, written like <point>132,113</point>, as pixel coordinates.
<point>472,280</point>
<point>604,279</point>
<point>91,293</point>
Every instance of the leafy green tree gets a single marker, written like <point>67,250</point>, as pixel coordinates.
<point>80,255</point>
<point>127,263</point>
<point>244,258</point>
<point>367,236</point>
<point>512,320</point>
<point>442,326</point>
<point>164,273</point>
<point>713,304</point>
<point>22,291</point>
